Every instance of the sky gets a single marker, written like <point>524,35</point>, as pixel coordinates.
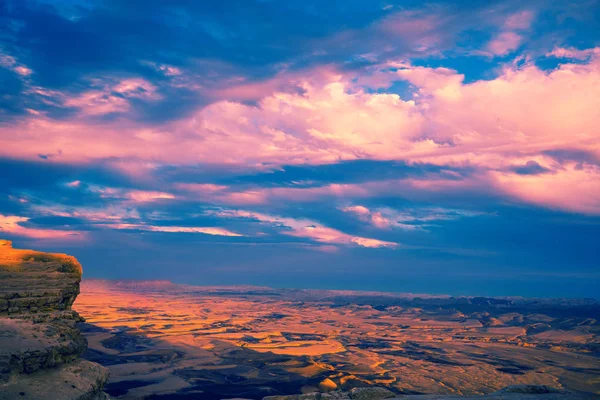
<point>428,147</point>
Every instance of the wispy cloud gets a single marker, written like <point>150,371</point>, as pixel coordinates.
<point>408,219</point>
<point>14,225</point>
<point>214,231</point>
<point>305,229</point>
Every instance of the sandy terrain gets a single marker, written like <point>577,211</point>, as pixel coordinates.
<point>162,340</point>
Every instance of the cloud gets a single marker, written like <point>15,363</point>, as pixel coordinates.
<point>110,96</point>
<point>487,125</point>
<point>576,54</point>
<point>514,29</point>
<point>373,243</point>
<point>504,43</point>
<point>519,20</point>
<point>219,194</point>
<point>206,230</point>
<point>375,218</point>
<point>142,196</point>
<point>74,184</point>
<point>409,219</point>
<point>213,231</point>
<point>133,196</point>
<point>12,225</point>
<point>306,229</point>
<point>104,215</point>
<point>570,188</point>
<point>22,70</point>
<point>11,63</point>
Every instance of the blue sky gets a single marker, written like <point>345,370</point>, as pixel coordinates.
<point>447,147</point>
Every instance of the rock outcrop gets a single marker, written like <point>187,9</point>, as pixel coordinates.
<point>40,344</point>
<point>516,392</point>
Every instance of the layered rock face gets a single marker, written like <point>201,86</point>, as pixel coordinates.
<point>40,344</point>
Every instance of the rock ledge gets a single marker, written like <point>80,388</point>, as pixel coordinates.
<point>40,344</point>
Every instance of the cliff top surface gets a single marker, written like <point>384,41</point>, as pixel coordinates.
<point>23,260</point>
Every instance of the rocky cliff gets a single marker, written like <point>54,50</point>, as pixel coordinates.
<point>40,344</point>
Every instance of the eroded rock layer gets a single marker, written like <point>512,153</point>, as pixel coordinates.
<point>40,343</point>
<point>33,281</point>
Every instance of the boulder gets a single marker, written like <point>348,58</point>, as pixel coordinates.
<point>370,393</point>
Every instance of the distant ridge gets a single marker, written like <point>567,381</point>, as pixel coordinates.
<point>162,285</point>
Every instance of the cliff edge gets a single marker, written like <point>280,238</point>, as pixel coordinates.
<point>40,345</point>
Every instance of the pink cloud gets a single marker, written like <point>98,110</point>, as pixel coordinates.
<point>375,218</point>
<point>306,229</point>
<point>96,102</point>
<point>137,88</point>
<point>201,187</point>
<point>213,231</point>
<point>504,43</point>
<point>133,196</point>
<point>489,125</point>
<point>74,184</point>
<point>114,217</point>
<point>9,62</point>
<point>360,210</point>
<point>10,224</point>
<point>22,70</point>
<point>109,214</point>
<point>167,70</point>
<point>409,220</point>
<point>142,196</point>
<point>110,96</point>
<point>571,52</point>
<point>520,20</point>
<point>571,188</point>
<point>373,243</point>
<point>220,194</point>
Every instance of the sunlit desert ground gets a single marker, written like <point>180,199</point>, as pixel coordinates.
<point>162,340</point>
